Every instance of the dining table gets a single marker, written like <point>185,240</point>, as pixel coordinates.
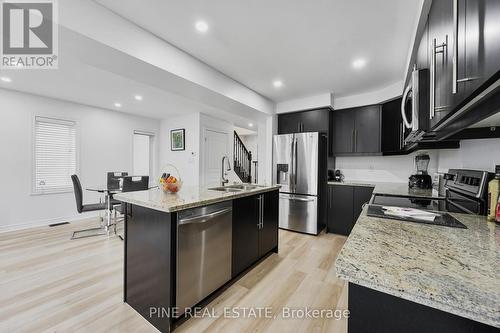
<point>108,194</point>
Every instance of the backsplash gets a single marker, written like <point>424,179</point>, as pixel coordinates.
<point>382,168</point>
<point>477,154</point>
<point>481,154</point>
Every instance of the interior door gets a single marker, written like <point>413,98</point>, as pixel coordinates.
<point>305,169</point>
<point>282,162</point>
<point>215,147</point>
<point>142,155</point>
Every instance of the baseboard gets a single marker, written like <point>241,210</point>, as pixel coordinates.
<point>46,222</point>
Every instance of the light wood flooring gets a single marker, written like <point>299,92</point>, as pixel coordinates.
<point>49,283</point>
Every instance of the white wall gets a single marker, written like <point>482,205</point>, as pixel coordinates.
<point>374,97</point>
<point>382,168</point>
<point>105,143</point>
<point>188,160</point>
<point>305,103</point>
<point>473,154</point>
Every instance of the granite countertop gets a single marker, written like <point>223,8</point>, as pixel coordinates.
<point>401,189</point>
<point>450,269</point>
<point>187,197</point>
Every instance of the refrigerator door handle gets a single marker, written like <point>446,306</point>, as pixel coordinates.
<point>291,166</point>
<point>295,167</point>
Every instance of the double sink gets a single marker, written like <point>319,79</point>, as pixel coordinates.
<point>235,188</point>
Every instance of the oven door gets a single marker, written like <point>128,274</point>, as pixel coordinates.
<point>458,203</point>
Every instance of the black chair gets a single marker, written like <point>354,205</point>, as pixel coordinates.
<point>114,179</point>
<point>130,185</point>
<point>113,183</point>
<point>81,208</point>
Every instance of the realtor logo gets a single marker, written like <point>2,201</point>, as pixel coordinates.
<point>29,34</point>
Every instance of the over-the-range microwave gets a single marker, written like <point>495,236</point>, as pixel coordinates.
<point>415,105</point>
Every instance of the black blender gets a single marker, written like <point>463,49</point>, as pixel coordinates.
<point>421,179</point>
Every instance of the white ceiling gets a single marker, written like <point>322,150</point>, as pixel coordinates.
<point>308,44</point>
<point>84,76</point>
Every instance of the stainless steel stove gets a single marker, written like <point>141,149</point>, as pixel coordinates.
<point>466,192</point>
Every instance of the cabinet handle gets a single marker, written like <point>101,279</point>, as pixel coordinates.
<point>356,140</point>
<point>436,49</point>
<point>455,47</point>
<point>262,213</point>
<point>432,79</point>
<point>400,138</point>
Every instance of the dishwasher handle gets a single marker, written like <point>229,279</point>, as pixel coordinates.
<point>204,218</point>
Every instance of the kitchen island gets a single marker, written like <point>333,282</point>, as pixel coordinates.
<point>422,278</point>
<point>182,249</point>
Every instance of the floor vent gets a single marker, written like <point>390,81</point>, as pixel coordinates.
<point>58,224</point>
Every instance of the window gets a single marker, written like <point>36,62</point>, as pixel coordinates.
<point>54,155</point>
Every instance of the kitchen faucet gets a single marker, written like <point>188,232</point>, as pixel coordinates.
<point>224,180</point>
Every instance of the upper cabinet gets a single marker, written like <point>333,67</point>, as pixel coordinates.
<point>460,47</point>
<point>304,121</point>
<point>478,42</point>
<point>393,129</point>
<point>320,120</point>
<point>357,131</point>
<point>440,39</point>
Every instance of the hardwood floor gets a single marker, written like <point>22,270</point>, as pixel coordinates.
<point>49,283</point>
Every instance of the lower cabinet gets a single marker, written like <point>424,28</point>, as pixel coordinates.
<point>255,229</point>
<point>345,204</point>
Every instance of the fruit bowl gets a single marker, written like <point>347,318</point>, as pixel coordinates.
<point>168,182</point>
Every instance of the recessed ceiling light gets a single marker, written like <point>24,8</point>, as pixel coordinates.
<point>278,83</point>
<point>359,63</point>
<point>201,26</point>
<point>118,105</point>
<point>5,79</point>
<point>250,125</point>
<point>138,97</point>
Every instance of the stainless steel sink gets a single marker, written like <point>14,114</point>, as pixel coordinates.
<point>225,189</point>
<point>244,187</point>
<point>235,188</point>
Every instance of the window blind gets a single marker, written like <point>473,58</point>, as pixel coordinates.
<point>54,154</point>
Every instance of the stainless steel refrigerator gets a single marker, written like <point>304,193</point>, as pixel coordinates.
<point>299,166</point>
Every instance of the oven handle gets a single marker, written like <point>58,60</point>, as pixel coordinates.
<point>459,206</point>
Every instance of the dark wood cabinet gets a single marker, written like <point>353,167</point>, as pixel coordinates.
<point>320,120</point>
<point>357,131</point>
<point>340,209</point>
<point>481,55</point>
<point>345,203</point>
<point>268,234</point>
<point>461,52</point>
<point>441,40</point>
<point>304,121</point>
<point>362,196</point>
<point>344,131</point>
<point>245,233</point>
<point>255,229</point>
<point>367,129</point>
<point>392,127</point>
<point>289,123</point>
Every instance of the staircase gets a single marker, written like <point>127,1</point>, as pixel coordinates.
<point>242,160</point>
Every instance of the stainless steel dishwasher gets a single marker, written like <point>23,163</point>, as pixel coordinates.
<point>204,242</point>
